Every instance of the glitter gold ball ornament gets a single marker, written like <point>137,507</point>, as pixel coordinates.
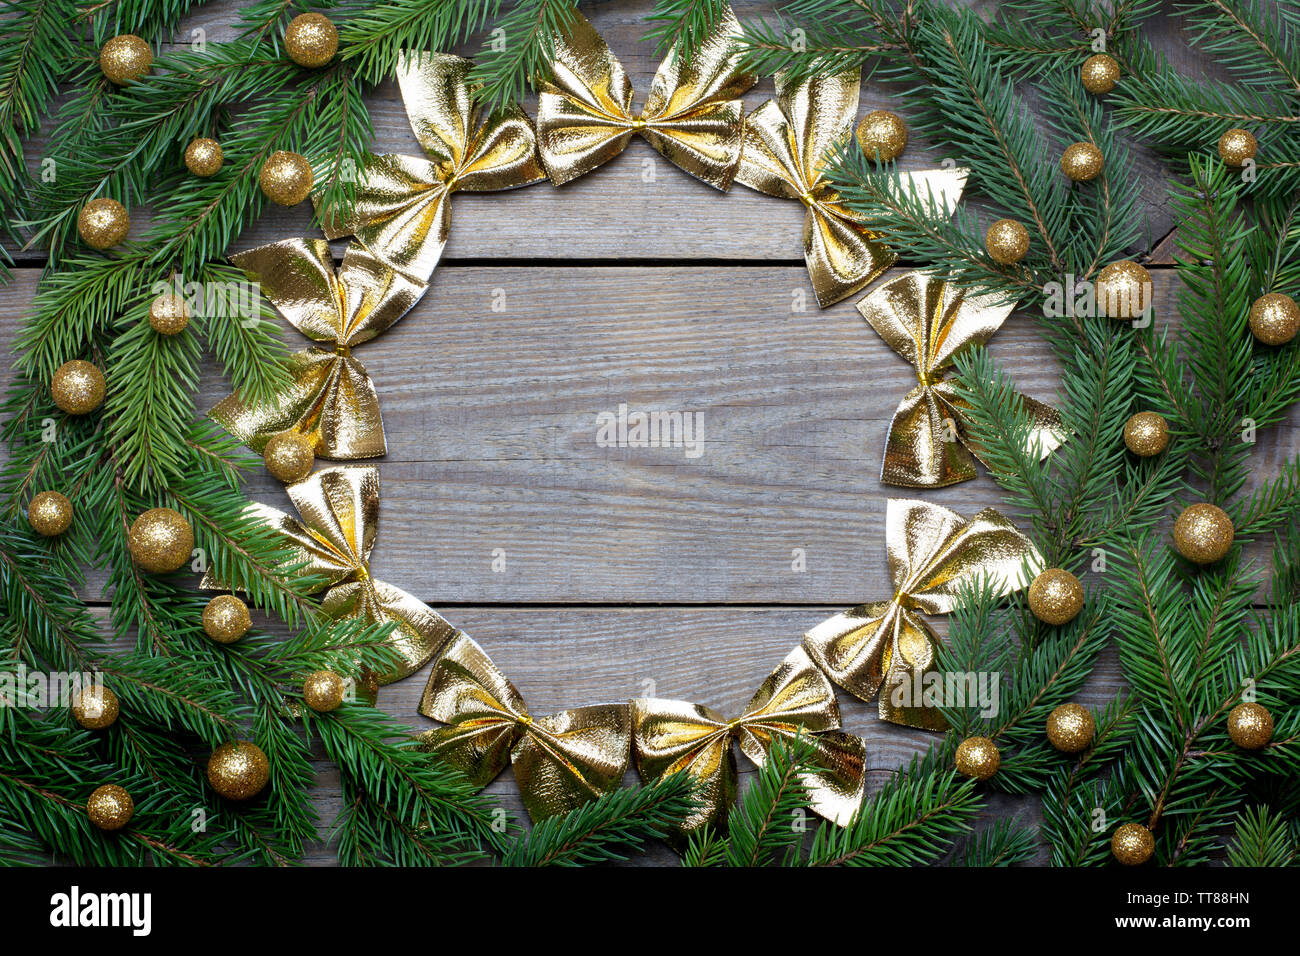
<point>49,513</point>
<point>1203,533</point>
<point>1146,434</point>
<point>1099,73</point>
<point>226,619</point>
<point>125,58</point>
<point>311,40</point>
<point>1250,726</point>
<point>882,134</point>
<point>1007,241</point>
<point>1274,318</point>
<point>168,314</point>
<point>1056,597</point>
<point>238,770</point>
<point>203,157</point>
<point>323,691</point>
<point>1236,146</point>
<point>1124,290</point>
<point>286,178</point>
<point>110,807</point>
<point>978,758</point>
<point>1082,162</point>
<point>94,707</point>
<point>160,541</point>
<point>77,387</point>
<point>289,456</point>
<point>1132,844</point>
<point>103,223</point>
<point>1070,728</point>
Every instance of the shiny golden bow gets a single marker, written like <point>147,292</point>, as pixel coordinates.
<point>330,397</point>
<point>402,211</point>
<point>886,647</point>
<point>927,321</point>
<point>671,736</point>
<point>693,116</point>
<point>787,140</point>
<point>340,518</point>
<point>560,762</point>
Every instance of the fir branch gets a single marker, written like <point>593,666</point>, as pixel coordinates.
<point>518,56</point>
<point>1005,843</point>
<point>608,828</point>
<point>912,821</point>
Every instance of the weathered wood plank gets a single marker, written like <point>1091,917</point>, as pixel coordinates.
<point>492,429</point>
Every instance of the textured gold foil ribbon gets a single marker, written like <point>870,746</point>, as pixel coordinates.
<point>330,396</point>
<point>560,762</point>
<point>787,140</point>
<point>402,211</point>
<point>671,736</point>
<point>693,114</point>
<point>928,321</point>
<point>886,647</point>
<point>339,507</point>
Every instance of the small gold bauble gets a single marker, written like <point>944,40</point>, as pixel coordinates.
<point>323,691</point>
<point>289,456</point>
<point>226,619</point>
<point>1132,844</point>
<point>1236,146</point>
<point>978,758</point>
<point>882,134</point>
<point>94,707</point>
<point>203,157</point>
<point>125,58</point>
<point>77,387</point>
<point>238,770</point>
<point>286,178</point>
<point>1007,242</point>
<point>1056,597</point>
<point>1099,73</point>
<point>311,39</point>
<point>1146,434</point>
<point>1124,290</point>
<point>1070,728</point>
<point>49,513</point>
<point>1250,726</point>
<point>168,314</point>
<point>160,541</point>
<point>103,223</point>
<point>1082,162</point>
<point>1274,318</point>
<point>110,807</point>
<point>1203,533</point>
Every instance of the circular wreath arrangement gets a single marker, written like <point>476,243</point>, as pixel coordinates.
<point>399,223</point>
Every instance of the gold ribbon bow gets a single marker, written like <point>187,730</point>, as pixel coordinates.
<point>340,519</point>
<point>887,647</point>
<point>787,140</point>
<point>671,736</point>
<point>927,321</point>
<point>402,211</point>
<point>560,762</point>
<point>330,397</point>
<point>693,115</point>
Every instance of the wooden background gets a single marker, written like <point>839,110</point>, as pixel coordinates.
<point>636,571</point>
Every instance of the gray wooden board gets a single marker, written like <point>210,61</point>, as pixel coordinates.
<point>628,566</point>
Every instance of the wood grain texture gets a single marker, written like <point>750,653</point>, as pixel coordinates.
<point>640,571</point>
<point>491,420</point>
